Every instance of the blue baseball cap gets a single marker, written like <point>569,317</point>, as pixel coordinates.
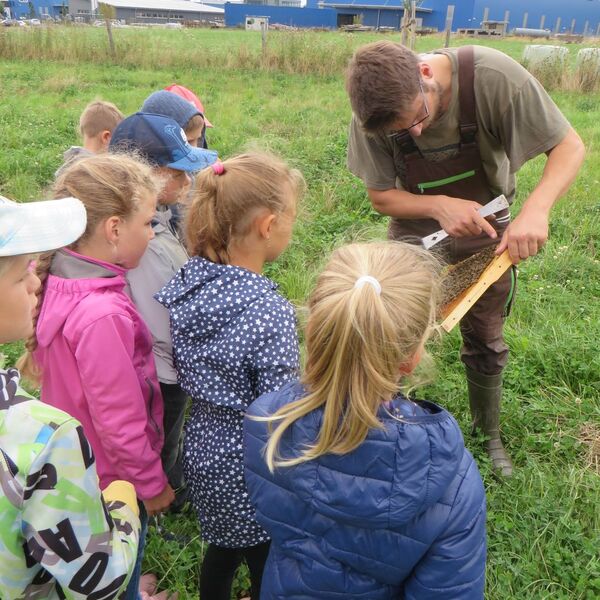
<point>161,141</point>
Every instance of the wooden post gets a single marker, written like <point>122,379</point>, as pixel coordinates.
<point>263,34</point>
<point>506,19</point>
<point>525,15</point>
<point>585,28</point>
<point>111,41</point>
<point>542,21</point>
<point>109,12</point>
<point>557,28</point>
<point>572,26</point>
<point>486,13</point>
<point>449,19</point>
<point>404,27</point>
<point>413,25</point>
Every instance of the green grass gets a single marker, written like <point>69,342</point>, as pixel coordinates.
<point>544,524</point>
<point>304,52</point>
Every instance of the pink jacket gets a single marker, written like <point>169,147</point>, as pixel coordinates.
<point>97,365</point>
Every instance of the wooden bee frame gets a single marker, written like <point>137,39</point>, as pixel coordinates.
<point>453,312</point>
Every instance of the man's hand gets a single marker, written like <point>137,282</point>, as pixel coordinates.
<point>526,235</point>
<point>460,218</point>
<point>161,502</point>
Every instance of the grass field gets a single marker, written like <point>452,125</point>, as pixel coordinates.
<point>544,523</point>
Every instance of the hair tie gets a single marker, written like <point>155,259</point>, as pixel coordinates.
<point>361,281</point>
<point>218,167</point>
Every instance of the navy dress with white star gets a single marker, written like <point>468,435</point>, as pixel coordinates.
<point>234,338</point>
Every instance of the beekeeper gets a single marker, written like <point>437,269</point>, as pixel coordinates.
<point>435,136</point>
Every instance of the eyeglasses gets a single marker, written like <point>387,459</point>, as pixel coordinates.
<point>424,104</point>
<point>394,133</point>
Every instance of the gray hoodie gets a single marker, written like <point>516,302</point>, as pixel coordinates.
<point>72,154</point>
<point>161,261</point>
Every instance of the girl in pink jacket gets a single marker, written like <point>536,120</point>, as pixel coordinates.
<point>91,349</point>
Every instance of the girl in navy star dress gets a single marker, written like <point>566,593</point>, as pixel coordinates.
<point>234,338</point>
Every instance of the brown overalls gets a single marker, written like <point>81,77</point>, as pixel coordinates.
<point>461,176</point>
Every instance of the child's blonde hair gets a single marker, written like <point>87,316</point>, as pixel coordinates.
<point>99,116</point>
<point>108,185</point>
<point>224,205</point>
<point>356,341</point>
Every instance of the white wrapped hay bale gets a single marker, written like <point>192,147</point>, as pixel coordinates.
<point>546,63</point>
<point>542,54</point>
<point>589,55</point>
<point>588,68</point>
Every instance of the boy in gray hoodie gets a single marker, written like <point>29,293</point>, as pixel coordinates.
<point>96,125</point>
<point>162,142</point>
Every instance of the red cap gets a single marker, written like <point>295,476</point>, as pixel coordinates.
<point>190,97</point>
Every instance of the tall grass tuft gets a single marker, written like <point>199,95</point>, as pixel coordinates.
<point>309,53</point>
<point>300,52</point>
<point>588,69</point>
<point>547,64</point>
<point>290,52</point>
<point>561,71</point>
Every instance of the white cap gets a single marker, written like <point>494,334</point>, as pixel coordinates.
<point>32,227</point>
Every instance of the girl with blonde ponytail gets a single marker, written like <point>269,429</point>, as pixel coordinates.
<point>365,492</point>
<point>234,338</point>
<point>91,350</point>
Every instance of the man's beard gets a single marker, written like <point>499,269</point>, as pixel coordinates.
<point>437,111</point>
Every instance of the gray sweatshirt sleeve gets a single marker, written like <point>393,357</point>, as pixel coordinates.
<point>156,269</point>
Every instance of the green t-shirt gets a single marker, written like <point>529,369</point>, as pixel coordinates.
<point>516,118</point>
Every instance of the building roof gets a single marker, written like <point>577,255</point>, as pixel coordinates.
<point>166,5</point>
<point>219,2</point>
<point>352,4</point>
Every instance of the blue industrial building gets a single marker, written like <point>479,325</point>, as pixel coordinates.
<point>578,16</point>
<point>328,14</point>
<point>522,13</point>
<point>372,13</point>
<point>39,9</point>
<point>235,15</point>
<point>569,16</point>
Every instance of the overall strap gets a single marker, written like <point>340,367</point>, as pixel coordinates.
<point>466,76</point>
<point>409,149</point>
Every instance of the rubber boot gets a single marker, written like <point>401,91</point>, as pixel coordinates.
<point>485,392</point>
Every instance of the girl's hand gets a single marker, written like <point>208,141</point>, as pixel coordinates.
<point>161,502</point>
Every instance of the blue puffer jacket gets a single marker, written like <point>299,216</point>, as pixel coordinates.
<point>402,516</point>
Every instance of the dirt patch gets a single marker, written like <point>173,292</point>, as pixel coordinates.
<point>589,436</point>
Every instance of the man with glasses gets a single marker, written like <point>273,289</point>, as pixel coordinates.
<point>434,137</point>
